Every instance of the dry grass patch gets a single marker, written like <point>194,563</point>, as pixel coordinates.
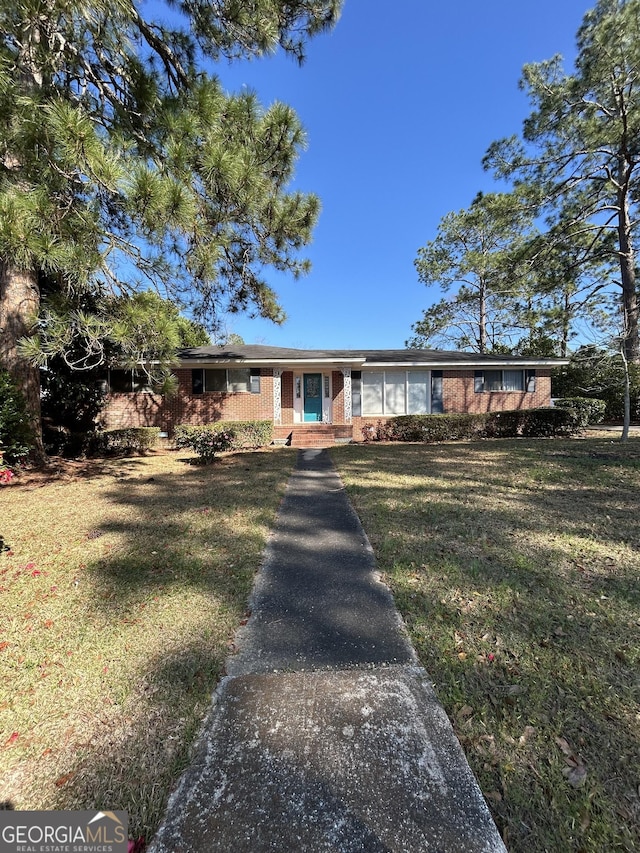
<point>120,594</point>
<point>516,566</point>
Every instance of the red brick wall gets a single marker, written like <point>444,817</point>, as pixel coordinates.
<point>131,410</point>
<point>287,397</point>
<point>458,394</point>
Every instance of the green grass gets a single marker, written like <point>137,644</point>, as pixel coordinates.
<point>516,566</point>
<point>119,599</point>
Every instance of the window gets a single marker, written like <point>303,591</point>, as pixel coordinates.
<point>238,380</point>
<point>128,382</point>
<point>233,380</point>
<point>215,380</point>
<point>504,380</point>
<point>437,406</point>
<point>372,388</point>
<point>417,392</point>
<point>395,392</point>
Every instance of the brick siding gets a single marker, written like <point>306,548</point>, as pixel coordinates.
<point>458,394</point>
<point>337,390</point>
<point>140,409</point>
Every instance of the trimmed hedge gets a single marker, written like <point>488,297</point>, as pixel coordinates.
<point>533,423</point>
<point>530,423</point>
<point>127,440</point>
<point>209,439</point>
<point>426,428</point>
<point>590,410</point>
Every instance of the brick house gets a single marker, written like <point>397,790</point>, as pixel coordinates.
<point>327,395</point>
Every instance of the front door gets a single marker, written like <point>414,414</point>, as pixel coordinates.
<point>313,397</point>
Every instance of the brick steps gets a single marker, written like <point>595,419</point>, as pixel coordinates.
<point>317,435</point>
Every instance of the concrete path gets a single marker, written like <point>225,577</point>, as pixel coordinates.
<point>326,734</point>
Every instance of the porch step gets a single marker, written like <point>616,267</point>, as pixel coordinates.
<point>319,435</point>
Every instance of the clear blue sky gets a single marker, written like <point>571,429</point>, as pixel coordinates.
<point>400,103</point>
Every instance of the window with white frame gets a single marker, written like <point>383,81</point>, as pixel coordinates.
<point>504,380</point>
<point>226,380</point>
<point>395,392</point>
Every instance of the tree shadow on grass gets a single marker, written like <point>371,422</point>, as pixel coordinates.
<point>515,566</point>
<point>158,611</point>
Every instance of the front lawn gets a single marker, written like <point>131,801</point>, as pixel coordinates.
<point>119,596</point>
<point>516,566</point>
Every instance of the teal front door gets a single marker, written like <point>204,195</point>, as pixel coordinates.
<point>313,397</point>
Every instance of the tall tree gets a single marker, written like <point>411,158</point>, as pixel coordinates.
<point>124,164</point>
<point>477,250</point>
<point>580,149</point>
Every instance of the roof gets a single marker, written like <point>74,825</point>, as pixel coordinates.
<point>259,354</point>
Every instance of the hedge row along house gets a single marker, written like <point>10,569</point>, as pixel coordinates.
<point>325,396</point>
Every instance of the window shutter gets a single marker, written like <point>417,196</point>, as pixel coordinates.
<point>255,380</point>
<point>356,393</point>
<point>197,381</point>
<point>530,381</point>
<point>478,382</point>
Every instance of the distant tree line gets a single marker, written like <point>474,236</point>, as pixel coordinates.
<point>552,262</point>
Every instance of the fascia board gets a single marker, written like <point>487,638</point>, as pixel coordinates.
<point>466,365</point>
<point>271,362</point>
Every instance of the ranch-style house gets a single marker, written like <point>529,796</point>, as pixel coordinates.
<point>326,395</point>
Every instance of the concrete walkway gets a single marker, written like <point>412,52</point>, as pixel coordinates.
<point>326,734</point>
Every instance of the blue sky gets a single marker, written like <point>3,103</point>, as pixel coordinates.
<point>400,103</point>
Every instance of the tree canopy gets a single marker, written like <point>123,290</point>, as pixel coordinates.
<point>575,174</point>
<point>476,252</point>
<point>580,151</point>
<point>124,164</point>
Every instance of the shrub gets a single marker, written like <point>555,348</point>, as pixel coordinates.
<point>72,401</point>
<point>16,436</point>
<point>127,440</point>
<point>590,410</point>
<point>455,427</point>
<point>595,374</point>
<point>208,439</point>
<point>533,423</point>
<point>426,428</point>
<point>251,433</point>
<point>6,475</point>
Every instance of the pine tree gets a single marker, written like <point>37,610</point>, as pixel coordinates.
<point>123,164</point>
<point>476,251</point>
<point>580,151</point>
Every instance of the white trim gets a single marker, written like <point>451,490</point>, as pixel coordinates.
<point>286,364</point>
<point>359,364</point>
<point>327,401</point>
<point>436,365</point>
<point>277,396</point>
<point>347,395</point>
<point>298,402</point>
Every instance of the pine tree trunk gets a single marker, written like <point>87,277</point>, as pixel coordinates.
<point>628,280</point>
<point>19,306</point>
<point>483,317</point>
<point>566,325</point>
